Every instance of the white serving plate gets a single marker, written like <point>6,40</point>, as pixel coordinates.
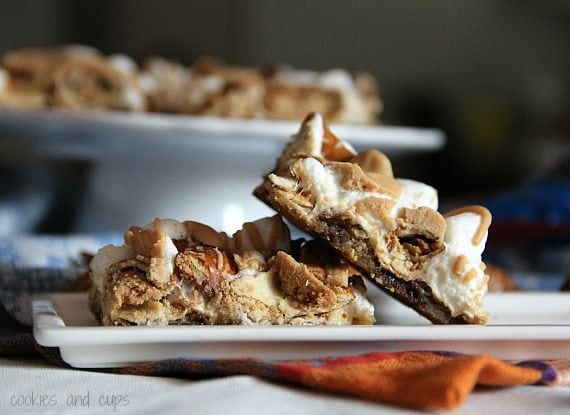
<point>176,166</point>
<point>522,326</point>
<point>104,135</point>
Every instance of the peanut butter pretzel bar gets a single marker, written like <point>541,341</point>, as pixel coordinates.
<point>75,77</point>
<point>177,273</point>
<point>389,228</point>
<point>209,87</point>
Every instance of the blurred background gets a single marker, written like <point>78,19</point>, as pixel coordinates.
<point>494,75</point>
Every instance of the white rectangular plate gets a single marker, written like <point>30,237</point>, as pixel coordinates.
<point>523,326</point>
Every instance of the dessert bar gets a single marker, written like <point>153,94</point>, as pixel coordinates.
<point>177,273</point>
<point>387,227</point>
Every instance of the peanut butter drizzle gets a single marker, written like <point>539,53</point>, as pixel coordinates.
<point>459,265</point>
<point>470,275</point>
<point>483,224</point>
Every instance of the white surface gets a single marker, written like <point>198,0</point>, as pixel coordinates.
<point>177,166</point>
<point>234,395</point>
<point>523,326</point>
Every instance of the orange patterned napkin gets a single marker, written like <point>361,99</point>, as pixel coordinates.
<point>423,380</point>
<point>414,379</point>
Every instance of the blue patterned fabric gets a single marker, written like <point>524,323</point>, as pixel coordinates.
<point>34,265</point>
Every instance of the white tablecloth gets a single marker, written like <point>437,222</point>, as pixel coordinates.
<point>22,380</point>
